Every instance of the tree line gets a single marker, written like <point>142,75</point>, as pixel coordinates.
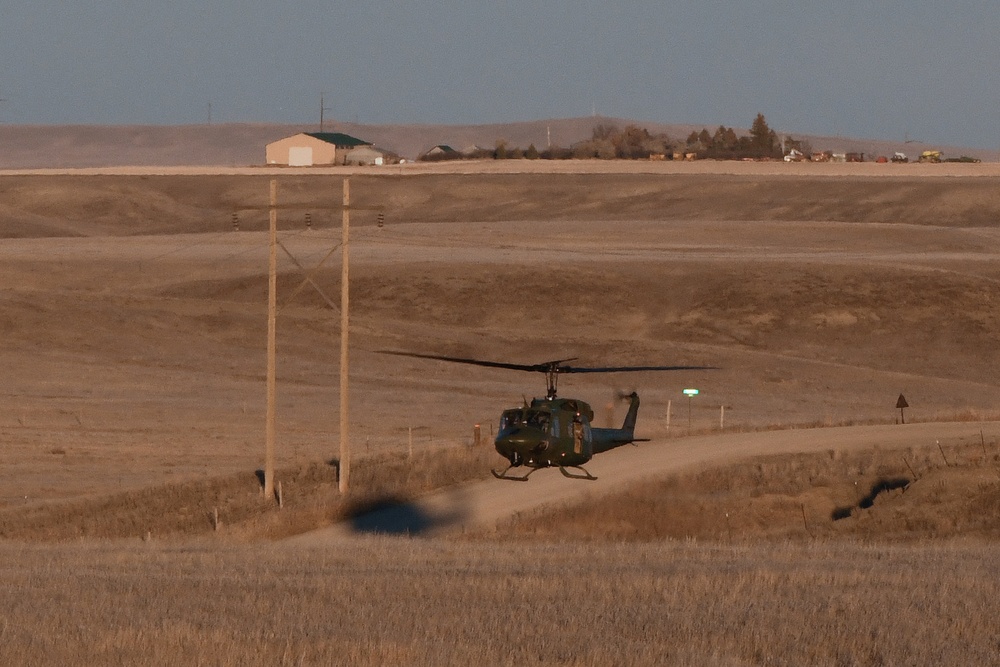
<point>724,144</point>
<point>632,142</point>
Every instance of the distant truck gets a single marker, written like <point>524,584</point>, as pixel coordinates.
<point>900,158</point>
<point>930,156</point>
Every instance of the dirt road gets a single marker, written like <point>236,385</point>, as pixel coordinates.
<point>487,503</point>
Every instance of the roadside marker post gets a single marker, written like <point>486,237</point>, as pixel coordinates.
<point>690,393</point>
<point>901,405</point>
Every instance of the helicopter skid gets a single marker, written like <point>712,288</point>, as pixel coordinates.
<point>586,475</point>
<point>512,478</point>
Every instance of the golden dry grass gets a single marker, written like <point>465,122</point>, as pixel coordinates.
<point>134,334</point>
<point>378,601</point>
<point>691,591</point>
<point>949,490</point>
<point>310,500</point>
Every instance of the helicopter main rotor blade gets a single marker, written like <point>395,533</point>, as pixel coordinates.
<point>551,367</point>
<point>537,368</point>
<point>621,369</point>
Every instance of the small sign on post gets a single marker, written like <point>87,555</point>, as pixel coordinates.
<point>690,393</point>
<point>901,404</point>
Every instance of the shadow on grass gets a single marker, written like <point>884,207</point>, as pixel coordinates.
<point>392,515</point>
<point>881,486</point>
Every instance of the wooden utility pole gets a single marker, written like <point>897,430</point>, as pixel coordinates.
<point>272,309</point>
<point>345,451</point>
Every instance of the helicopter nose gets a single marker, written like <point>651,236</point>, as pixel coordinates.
<point>523,443</point>
<point>518,441</point>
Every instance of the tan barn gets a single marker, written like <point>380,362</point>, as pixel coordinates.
<point>312,148</point>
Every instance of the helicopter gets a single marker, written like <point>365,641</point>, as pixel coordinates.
<point>553,431</point>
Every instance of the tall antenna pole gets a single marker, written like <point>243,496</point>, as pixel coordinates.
<point>272,303</point>
<point>322,108</point>
<point>345,452</point>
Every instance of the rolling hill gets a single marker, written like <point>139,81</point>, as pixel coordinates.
<point>242,144</point>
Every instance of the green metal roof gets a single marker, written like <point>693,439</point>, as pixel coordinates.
<point>339,139</point>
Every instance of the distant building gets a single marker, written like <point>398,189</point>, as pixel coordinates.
<point>308,149</point>
<point>441,152</point>
<point>368,155</point>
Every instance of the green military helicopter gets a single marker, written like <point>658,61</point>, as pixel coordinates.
<point>555,431</point>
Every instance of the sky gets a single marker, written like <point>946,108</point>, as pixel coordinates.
<point>923,70</point>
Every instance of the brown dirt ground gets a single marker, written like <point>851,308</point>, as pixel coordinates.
<point>134,316</point>
<point>133,319</point>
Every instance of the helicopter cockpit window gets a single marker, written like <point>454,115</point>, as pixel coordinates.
<point>537,419</point>
<point>510,420</point>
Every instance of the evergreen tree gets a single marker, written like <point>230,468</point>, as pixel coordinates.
<point>719,138</point>
<point>763,139</point>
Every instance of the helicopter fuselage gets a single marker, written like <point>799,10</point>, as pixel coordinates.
<point>555,431</point>
<point>558,432</point>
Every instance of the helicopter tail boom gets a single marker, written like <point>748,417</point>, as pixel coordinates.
<point>609,438</point>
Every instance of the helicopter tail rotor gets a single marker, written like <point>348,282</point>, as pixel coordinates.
<point>622,395</point>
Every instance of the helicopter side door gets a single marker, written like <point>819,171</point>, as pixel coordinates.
<point>583,444</point>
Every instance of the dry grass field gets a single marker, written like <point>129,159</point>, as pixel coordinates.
<point>402,602</point>
<point>133,404</point>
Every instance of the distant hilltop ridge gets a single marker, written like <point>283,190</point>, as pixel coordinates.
<point>242,144</point>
